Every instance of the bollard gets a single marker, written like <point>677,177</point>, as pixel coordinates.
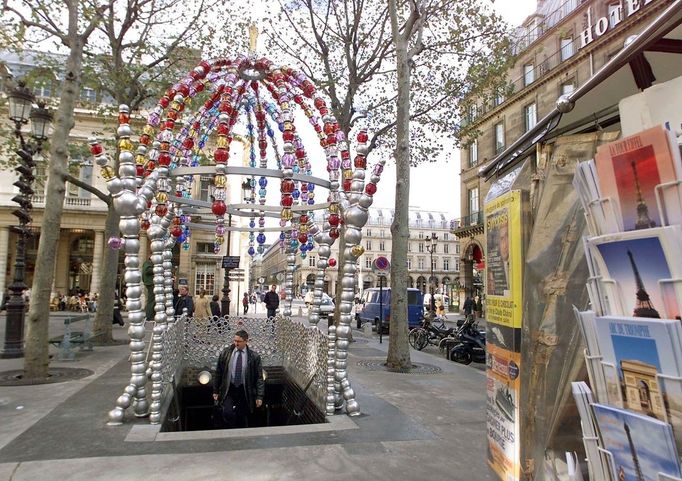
<point>367,329</point>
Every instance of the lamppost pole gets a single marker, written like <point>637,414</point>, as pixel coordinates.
<point>431,248</point>
<point>20,111</point>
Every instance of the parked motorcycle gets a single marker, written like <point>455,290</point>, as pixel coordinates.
<point>470,345</point>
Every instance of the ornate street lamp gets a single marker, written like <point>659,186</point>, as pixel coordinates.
<point>431,243</point>
<point>20,111</point>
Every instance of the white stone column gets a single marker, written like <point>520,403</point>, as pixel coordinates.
<point>4,256</point>
<point>97,261</point>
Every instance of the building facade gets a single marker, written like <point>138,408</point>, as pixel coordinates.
<point>557,49</point>
<point>376,240</point>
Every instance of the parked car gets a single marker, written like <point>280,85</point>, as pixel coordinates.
<point>371,302</point>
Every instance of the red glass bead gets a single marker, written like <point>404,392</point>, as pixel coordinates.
<point>218,208</point>
<point>328,128</point>
<point>145,139</point>
<point>144,225</point>
<point>223,129</point>
<point>345,155</point>
<point>332,262</point>
<point>206,65</point>
<point>170,93</point>
<point>176,231</point>
<point>123,118</point>
<point>287,186</point>
<point>362,136</point>
<point>262,144</point>
<point>300,153</point>
<point>170,124</point>
<point>333,220</point>
<point>288,136</point>
<point>172,114</point>
<point>164,102</point>
<point>303,220</point>
<point>139,170</point>
<point>176,220</point>
<point>196,125</point>
<point>188,143</point>
<point>149,166</point>
<point>287,200</point>
<point>303,238</point>
<point>164,159</point>
<point>360,162</point>
<point>184,90</point>
<point>199,86</point>
<point>319,103</point>
<point>96,149</point>
<point>346,185</point>
<point>334,233</point>
<point>331,139</point>
<point>220,156</point>
<point>161,210</point>
<point>371,188</point>
<point>298,99</point>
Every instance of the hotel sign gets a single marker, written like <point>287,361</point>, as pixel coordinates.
<point>596,29</point>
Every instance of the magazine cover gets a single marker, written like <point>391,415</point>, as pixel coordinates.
<point>632,266</point>
<point>638,350</point>
<point>629,171</point>
<point>641,446</point>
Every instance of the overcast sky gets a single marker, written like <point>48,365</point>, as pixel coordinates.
<point>435,186</point>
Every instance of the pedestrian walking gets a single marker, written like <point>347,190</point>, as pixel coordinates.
<point>245,302</point>
<point>239,387</point>
<point>184,301</point>
<point>271,300</point>
<point>468,306</point>
<point>202,310</point>
<point>215,306</point>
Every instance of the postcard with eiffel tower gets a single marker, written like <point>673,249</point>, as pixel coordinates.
<point>630,169</point>
<point>634,268</point>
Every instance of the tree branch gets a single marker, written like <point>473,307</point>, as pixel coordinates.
<point>85,186</point>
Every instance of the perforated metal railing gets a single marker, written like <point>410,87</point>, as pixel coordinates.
<point>300,350</point>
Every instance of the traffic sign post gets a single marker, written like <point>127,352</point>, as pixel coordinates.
<point>381,266</point>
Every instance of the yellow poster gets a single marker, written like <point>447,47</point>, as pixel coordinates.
<point>504,260</point>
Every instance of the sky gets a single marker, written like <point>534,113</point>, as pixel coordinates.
<point>436,186</point>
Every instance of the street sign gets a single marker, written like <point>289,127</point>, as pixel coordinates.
<point>381,265</point>
<point>230,262</point>
<point>261,280</point>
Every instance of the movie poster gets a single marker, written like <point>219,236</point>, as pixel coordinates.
<point>504,277</point>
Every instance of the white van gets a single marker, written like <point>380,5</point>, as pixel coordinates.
<point>443,299</point>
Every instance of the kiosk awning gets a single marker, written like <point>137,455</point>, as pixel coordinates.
<point>625,74</point>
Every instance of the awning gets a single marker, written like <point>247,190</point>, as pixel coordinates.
<point>617,79</point>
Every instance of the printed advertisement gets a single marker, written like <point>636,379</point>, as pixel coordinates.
<point>503,412</point>
<point>504,277</point>
<point>504,260</point>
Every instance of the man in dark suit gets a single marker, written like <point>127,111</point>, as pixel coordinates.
<point>239,379</point>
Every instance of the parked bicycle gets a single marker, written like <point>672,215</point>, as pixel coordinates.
<point>430,332</point>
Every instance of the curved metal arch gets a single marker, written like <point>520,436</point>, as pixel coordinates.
<point>255,171</point>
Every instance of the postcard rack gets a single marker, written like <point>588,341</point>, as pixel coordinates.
<point>594,372</point>
<point>670,209</point>
<point>605,214</point>
<point>612,468</point>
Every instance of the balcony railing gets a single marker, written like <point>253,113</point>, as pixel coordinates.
<point>68,201</point>
<point>471,220</point>
<point>545,25</point>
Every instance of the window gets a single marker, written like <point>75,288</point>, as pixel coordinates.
<point>368,262</point>
<point>409,263</point>
<point>409,247</point>
<point>434,263</point>
<point>369,232</point>
<point>420,247</point>
<point>473,153</point>
<point>420,263</point>
<point>498,99</point>
<point>205,189</point>
<point>456,248</point>
<point>204,248</point>
<point>473,200</point>
<point>528,74</point>
<point>567,88</point>
<point>473,112</point>
<point>43,88</point>
<point>382,246</point>
<point>446,248</point>
<point>499,137</point>
<point>446,264</point>
<point>312,261</point>
<point>456,265</point>
<point>566,48</point>
<point>382,233</point>
<point>419,221</point>
<point>420,235</point>
<point>88,95</point>
<point>369,245</point>
<point>205,278</point>
<point>531,115</point>
<point>446,235</point>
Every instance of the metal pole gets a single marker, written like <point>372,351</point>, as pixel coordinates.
<point>225,301</point>
<point>16,305</point>
<point>381,309</point>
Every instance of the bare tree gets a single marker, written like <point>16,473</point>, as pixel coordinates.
<point>452,49</point>
<point>135,46</point>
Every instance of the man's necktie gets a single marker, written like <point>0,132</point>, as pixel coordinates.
<point>238,369</point>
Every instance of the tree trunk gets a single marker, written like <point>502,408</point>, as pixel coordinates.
<point>36,359</point>
<point>398,347</point>
<point>107,283</point>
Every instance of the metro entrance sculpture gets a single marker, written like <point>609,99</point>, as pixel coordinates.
<point>170,148</point>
